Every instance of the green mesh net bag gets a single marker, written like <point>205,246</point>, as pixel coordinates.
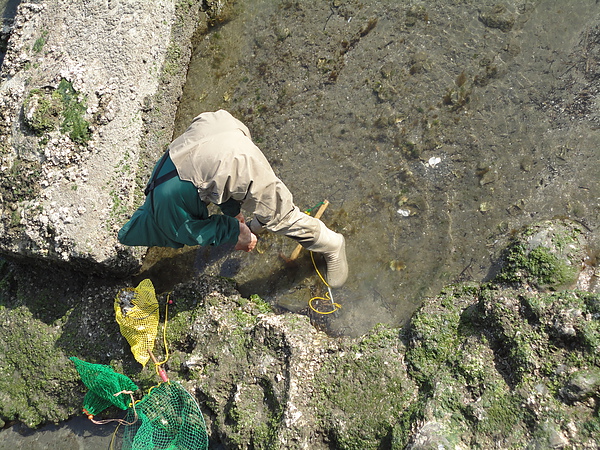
<point>168,417</point>
<point>106,387</point>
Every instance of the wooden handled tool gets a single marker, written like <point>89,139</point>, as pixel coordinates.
<point>318,215</point>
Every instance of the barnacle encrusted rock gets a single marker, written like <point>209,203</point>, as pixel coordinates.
<point>75,123</point>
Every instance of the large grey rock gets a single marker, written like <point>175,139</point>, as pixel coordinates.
<point>87,99</point>
<point>549,254</point>
<point>582,385</point>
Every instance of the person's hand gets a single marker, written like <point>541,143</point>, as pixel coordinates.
<point>247,239</point>
<point>241,218</point>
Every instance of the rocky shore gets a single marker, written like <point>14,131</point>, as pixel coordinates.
<point>88,97</point>
<point>511,363</point>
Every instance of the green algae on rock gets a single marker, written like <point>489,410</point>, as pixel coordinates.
<point>364,394</point>
<point>479,365</point>
<point>492,372</point>
<point>61,108</point>
<point>38,385</point>
<point>548,255</point>
<point>508,364</point>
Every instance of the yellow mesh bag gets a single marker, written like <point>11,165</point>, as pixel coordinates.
<point>136,311</point>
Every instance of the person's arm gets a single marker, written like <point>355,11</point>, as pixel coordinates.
<point>217,230</point>
<point>247,239</point>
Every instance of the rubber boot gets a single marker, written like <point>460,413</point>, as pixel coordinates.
<point>333,247</point>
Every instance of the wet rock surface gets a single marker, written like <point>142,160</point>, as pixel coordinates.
<point>504,363</point>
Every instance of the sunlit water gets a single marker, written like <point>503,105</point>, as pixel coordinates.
<point>432,135</point>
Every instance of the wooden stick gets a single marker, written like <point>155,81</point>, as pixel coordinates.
<point>318,215</point>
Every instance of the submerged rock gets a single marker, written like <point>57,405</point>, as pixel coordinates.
<point>549,255</point>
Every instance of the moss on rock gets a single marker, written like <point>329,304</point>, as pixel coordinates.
<point>63,108</point>
<point>451,357</point>
<point>548,255</point>
<point>508,367</point>
<point>364,393</point>
<point>34,370</point>
<point>42,111</point>
<point>491,365</point>
<point>41,325</point>
<point>20,183</point>
<point>511,363</point>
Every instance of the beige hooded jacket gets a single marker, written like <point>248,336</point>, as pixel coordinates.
<point>217,155</point>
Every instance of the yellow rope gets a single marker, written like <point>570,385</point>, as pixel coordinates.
<point>123,422</point>
<point>160,363</point>
<point>336,306</point>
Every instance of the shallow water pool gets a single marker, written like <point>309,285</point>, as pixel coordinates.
<point>433,131</point>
